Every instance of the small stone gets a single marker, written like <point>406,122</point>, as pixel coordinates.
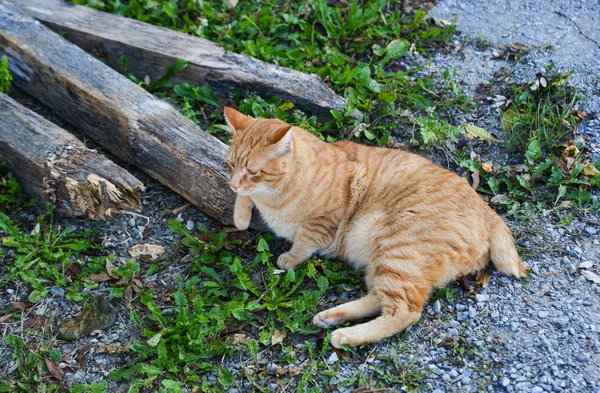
<point>437,307</point>
<point>537,389</point>
<point>333,358</point>
<point>543,314</point>
<point>58,292</point>
<point>272,368</point>
<point>482,297</point>
<point>472,312</point>
<point>505,382</point>
<point>438,391</point>
<point>561,321</point>
<point>132,222</point>
<point>31,217</point>
<point>591,231</point>
<point>167,312</point>
<point>529,322</point>
<point>466,380</point>
<point>189,225</point>
<point>453,373</point>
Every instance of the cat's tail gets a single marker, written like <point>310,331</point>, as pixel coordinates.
<point>503,252</point>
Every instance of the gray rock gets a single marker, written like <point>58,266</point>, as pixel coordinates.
<point>592,231</point>
<point>58,292</point>
<point>437,307</point>
<point>482,297</point>
<point>453,373</point>
<point>472,312</point>
<point>543,314</point>
<point>333,358</point>
<point>505,381</point>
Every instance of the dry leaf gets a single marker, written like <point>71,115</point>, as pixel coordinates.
<point>478,132</point>
<point>278,336</point>
<point>593,277</point>
<point>570,151</point>
<point>487,167</point>
<point>147,252</point>
<point>110,268</point>
<point>483,278</point>
<point>6,318</point>
<point>55,369</point>
<point>127,294</point>
<point>20,305</point>
<point>100,277</point>
<point>237,338</point>
<point>113,348</point>
<point>81,354</point>
<point>590,170</point>
<point>476,179</point>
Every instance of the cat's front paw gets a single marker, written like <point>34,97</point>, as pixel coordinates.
<point>325,319</point>
<point>241,219</point>
<point>349,335</point>
<point>286,261</point>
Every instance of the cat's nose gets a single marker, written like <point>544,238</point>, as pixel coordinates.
<point>235,188</point>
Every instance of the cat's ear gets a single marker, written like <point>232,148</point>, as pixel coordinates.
<point>285,142</point>
<point>235,120</point>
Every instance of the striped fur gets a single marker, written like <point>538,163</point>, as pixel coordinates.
<point>409,224</point>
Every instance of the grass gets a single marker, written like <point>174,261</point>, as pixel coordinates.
<point>45,256</point>
<point>354,48</point>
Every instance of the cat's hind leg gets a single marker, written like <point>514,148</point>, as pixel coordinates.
<point>401,296</point>
<point>364,307</point>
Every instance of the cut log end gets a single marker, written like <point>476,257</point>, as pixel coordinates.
<point>80,187</point>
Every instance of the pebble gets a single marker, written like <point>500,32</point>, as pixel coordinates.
<point>482,298</point>
<point>505,382</point>
<point>453,373</point>
<point>472,312</point>
<point>591,231</point>
<point>58,292</point>
<point>437,307</point>
<point>333,358</point>
<point>189,225</point>
<point>562,321</point>
<point>543,314</point>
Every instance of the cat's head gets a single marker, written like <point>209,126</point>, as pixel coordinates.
<point>260,153</point>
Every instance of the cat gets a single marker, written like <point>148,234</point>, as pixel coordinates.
<point>408,223</point>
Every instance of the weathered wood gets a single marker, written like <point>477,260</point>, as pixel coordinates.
<point>151,50</point>
<point>54,166</point>
<point>128,121</point>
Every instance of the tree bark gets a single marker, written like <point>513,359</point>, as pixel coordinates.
<point>151,50</point>
<point>129,122</point>
<point>54,166</point>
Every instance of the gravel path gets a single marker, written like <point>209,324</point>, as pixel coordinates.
<point>550,326</point>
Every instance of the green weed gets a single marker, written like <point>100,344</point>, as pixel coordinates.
<point>5,76</point>
<point>222,310</point>
<point>12,198</point>
<point>354,48</point>
<point>540,111</point>
<point>42,258</point>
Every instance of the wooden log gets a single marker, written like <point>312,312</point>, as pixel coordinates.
<point>151,50</point>
<point>128,121</point>
<point>52,165</point>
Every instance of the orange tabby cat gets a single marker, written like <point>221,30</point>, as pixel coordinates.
<point>409,224</point>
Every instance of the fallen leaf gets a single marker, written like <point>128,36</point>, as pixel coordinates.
<point>100,277</point>
<point>237,338</point>
<point>110,268</point>
<point>478,132</point>
<point>277,271</point>
<point>20,305</point>
<point>476,179</point>
<point>73,269</point>
<point>593,277</point>
<point>127,294</point>
<point>590,170</point>
<point>483,278</point>
<point>147,252</point>
<point>154,340</point>
<point>6,318</point>
<point>37,322</point>
<point>81,354</point>
<point>278,336</point>
<point>55,369</point>
<point>113,348</point>
<point>487,167</point>
<point>570,151</point>
<point>580,114</point>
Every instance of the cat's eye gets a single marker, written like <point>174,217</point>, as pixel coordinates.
<point>252,172</point>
